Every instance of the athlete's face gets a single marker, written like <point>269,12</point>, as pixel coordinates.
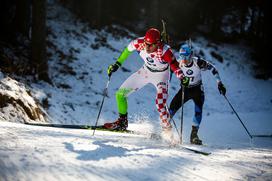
<point>150,47</point>
<point>186,60</point>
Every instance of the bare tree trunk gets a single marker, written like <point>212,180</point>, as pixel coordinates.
<point>22,17</point>
<point>38,46</point>
<point>155,13</point>
<point>99,13</point>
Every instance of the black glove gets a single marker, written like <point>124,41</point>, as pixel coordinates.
<point>185,81</point>
<point>113,68</point>
<point>221,88</point>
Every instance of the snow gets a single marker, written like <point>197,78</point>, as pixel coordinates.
<point>43,153</point>
<point>14,89</point>
<point>39,153</point>
<point>20,99</point>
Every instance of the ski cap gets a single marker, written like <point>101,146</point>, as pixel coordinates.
<point>152,36</point>
<point>185,53</point>
<point>185,50</point>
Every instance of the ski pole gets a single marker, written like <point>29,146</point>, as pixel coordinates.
<point>99,112</point>
<point>174,122</point>
<point>238,117</point>
<point>175,126</point>
<point>181,117</point>
<point>262,135</point>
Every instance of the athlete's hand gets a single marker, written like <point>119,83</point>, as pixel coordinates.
<point>113,68</point>
<point>185,81</point>
<point>221,88</point>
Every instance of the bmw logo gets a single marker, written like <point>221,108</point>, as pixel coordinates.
<point>189,72</point>
<point>150,60</point>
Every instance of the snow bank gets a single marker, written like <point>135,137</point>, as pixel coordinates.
<point>17,103</point>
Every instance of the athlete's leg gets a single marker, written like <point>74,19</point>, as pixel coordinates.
<point>177,100</point>
<point>198,99</point>
<point>161,98</point>
<point>133,83</point>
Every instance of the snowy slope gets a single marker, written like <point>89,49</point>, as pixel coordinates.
<point>78,70</point>
<point>83,69</point>
<point>39,153</point>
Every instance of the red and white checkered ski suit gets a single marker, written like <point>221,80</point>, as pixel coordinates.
<point>155,71</point>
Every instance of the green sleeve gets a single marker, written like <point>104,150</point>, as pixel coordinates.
<point>124,55</point>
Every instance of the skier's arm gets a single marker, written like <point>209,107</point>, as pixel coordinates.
<point>127,51</point>
<point>121,59</point>
<point>124,55</point>
<point>205,65</point>
<point>174,65</point>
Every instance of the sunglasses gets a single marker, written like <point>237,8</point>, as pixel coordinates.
<point>150,44</point>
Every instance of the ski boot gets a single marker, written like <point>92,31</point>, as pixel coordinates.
<point>120,124</point>
<point>194,139</point>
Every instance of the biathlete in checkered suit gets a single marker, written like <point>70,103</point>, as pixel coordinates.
<point>158,57</point>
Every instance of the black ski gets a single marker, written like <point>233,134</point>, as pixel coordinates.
<point>195,150</point>
<point>99,128</point>
<point>267,136</point>
<point>72,126</point>
<point>102,128</point>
